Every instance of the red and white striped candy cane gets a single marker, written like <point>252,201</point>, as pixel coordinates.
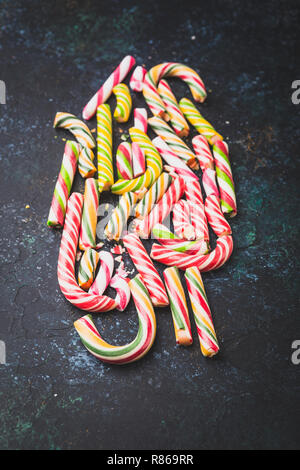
<point>147,270</point>
<point>138,160</point>
<point>202,151</point>
<point>105,91</point>
<point>162,209</point>
<point>66,261</point>
<point>209,182</point>
<point>181,220</point>
<point>140,119</point>
<point>215,259</point>
<point>193,195</point>
<point>215,216</point>
<point>104,275</point>
<point>137,79</point>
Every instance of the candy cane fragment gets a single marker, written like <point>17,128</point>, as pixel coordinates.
<point>78,128</point>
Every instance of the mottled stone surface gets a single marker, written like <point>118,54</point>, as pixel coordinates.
<point>54,394</point>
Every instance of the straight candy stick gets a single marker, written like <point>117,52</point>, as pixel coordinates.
<point>105,91</point>
<point>179,308</point>
<point>104,147</point>
<point>63,185</point>
<point>202,314</point>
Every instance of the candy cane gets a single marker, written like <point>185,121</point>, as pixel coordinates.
<point>63,185</point>
<point>124,161</point>
<point>146,268</point>
<point>104,275</point>
<point>225,178</point>
<point>181,220</point>
<point>140,119</point>
<point>209,182</point>
<point>152,196</point>
<point>123,291</point>
<point>175,143</point>
<point>178,165</point>
<point>104,147</point>
<point>215,216</point>
<point>133,351</point>
<point>120,215</point>
<point>170,69</point>
<point>179,309</point>
<point>89,215</point>
<point>66,260</point>
<point>167,238</point>
<point>124,102</point>
<point>203,152</point>
<point>205,327</point>
<point>78,128</point>
<point>87,268</point>
<point>198,219</point>
<point>105,91</point>
<point>197,120</point>
<point>162,208</point>
<point>138,160</point>
<point>137,79</point>
<point>86,166</point>
<point>215,259</point>
<point>177,119</point>
<point>153,163</point>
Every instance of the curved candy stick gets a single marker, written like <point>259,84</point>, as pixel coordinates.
<point>215,259</point>
<point>197,120</point>
<point>177,119</point>
<point>87,268</point>
<point>124,102</point>
<point>63,185</point>
<point>203,152</point>
<point>179,309</point>
<point>215,216</point>
<point>129,352</point>
<point>105,91</point>
<point>169,240</point>
<point>153,195</point>
<point>121,285</point>
<point>153,162</point>
<point>88,225</point>
<point>225,179</point>
<point>86,166</point>
<point>205,327</point>
<point>137,79</point>
<point>104,147</point>
<point>163,130</point>
<point>162,208</point>
<point>170,69</point>
<point>140,119</point>
<point>104,275</point>
<point>124,161</point>
<point>66,260</point>
<point>78,128</point>
<point>180,168</point>
<point>146,268</point>
<point>181,220</point>
<point>120,215</point>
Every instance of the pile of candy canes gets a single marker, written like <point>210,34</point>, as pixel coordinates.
<point>153,178</point>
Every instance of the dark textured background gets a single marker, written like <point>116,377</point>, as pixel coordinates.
<point>54,395</point>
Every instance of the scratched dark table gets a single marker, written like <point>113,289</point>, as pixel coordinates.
<point>54,394</point>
